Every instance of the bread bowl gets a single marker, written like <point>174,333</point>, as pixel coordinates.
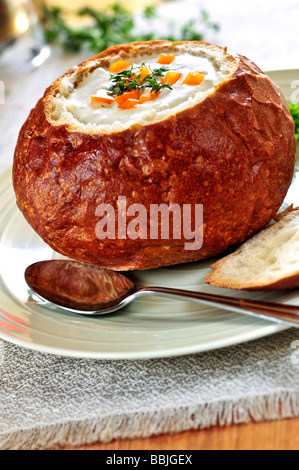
<point>227,143</point>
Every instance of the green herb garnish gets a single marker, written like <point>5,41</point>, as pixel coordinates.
<point>294,108</point>
<point>116,25</point>
<point>127,80</point>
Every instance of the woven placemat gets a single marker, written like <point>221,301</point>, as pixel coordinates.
<point>49,401</point>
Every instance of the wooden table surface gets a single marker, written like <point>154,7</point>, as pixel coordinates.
<point>275,435</point>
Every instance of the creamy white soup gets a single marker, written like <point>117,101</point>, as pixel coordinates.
<point>74,105</point>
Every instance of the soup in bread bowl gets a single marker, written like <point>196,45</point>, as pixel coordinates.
<point>154,125</point>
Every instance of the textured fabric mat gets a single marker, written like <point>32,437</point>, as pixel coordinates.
<point>47,400</point>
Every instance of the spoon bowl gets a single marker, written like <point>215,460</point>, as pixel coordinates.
<point>78,287</point>
<point>89,290</point>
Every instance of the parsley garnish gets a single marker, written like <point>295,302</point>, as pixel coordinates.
<point>127,81</point>
<point>294,108</point>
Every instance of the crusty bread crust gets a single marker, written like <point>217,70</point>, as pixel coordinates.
<point>234,152</point>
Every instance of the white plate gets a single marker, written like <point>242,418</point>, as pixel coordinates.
<point>149,328</point>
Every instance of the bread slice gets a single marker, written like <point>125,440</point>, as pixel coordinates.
<point>267,261</point>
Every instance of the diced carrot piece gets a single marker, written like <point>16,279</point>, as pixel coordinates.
<point>143,72</point>
<point>148,96</point>
<point>102,99</point>
<point>166,59</point>
<point>133,95</point>
<point>171,78</point>
<point>119,66</point>
<point>193,79</point>
<point>130,103</point>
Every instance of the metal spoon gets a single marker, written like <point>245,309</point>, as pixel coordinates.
<point>89,290</point>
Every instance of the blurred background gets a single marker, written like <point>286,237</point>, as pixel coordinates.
<point>76,4</point>
<point>41,39</point>
<point>265,31</point>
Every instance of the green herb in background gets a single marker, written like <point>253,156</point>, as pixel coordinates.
<point>113,26</point>
<point>294,108</point>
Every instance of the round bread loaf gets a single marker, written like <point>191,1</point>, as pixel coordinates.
<point>226,143</point>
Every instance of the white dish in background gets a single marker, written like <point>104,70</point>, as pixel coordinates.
<point>153,327</point>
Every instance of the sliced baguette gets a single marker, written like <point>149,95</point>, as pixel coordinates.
<point>267,261</point>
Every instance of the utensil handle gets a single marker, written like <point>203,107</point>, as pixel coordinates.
<point>287,314</point>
